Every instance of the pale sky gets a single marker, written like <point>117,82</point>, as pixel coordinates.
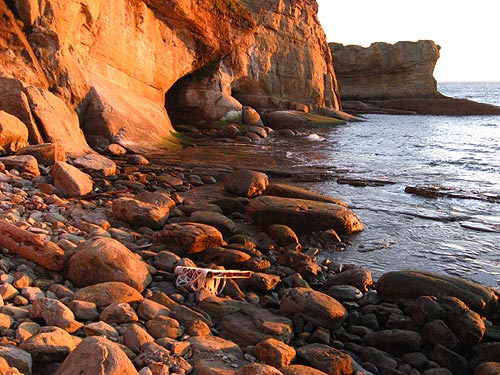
<point>467,31</point>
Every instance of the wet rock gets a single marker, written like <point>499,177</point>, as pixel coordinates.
<point>95,355</point>
<point>13,132</point>
<point>17,358</point>
<point>95,163</point>
<point>297,120</point>
<point>327,359</point>
<point>189,238</point>
<point>290,191</point>
<point>163,326</point>
<point>303,215</point>
<point>70,181</point>
<point>446,358</point>
<point>300,370</point>
<point>118,313</point>
<point>344,292</point>
<point>313,306</point>
<point>50,344</point>
<point>413,284</point>
<point>274,353</point>
<point>395,341</point>
<point>21,163</point>
<point>54,313</point>
<point>284,236</point>
<point>145,209</point>
<point>225,225</point>
<point>104,294</point>
<point>246,183</point>
<point>101,259</point>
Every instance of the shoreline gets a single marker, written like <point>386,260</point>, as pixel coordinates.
<point>282,265</point>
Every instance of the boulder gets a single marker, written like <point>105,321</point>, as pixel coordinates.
<point>54,313</point>
<point>17,358</point>
<point>327,359</point>
<point>49,345</point>
<point>485,352</point>
<point>289,191</point>
<point>104,294</point>
<point>437,332</point>
<point>246,183</point>
<point>225,225</point>
<point>382,360</point>
<point>488,368</point>
<point>395,341</point>
<point>314,307</point>
<point>145,209</point>
<point>466,324</point>
<point>189,238</point>
<point>397,285</point>
<point>228,258</point>
<point>57,122</point>
<point>250,116</point>
<point>303,215</point>
<point>274,353</point>
<point>246,324</point>
<point>357,276</point>
<point>103,259</point>
<point>258,369</point>
<point>284,236</point>
<point>297,120</point>
<point>300,370</point>
<point>101,328</point>
<point>70,180</point>
<point>447,358</point>
<point>96,355</point>
<point>163,326</point>
<point>45,153</point>
<point>135,337</point>
<point>95,163</point>
<point>22,163</point>
<point>13,132</point>
<point>160,360</point>
<point>262,282</point>
<point>118,313</point>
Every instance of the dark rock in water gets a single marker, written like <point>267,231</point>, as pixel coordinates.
<point>393,286</point>
<point>290,191</point>
<point>315,307</point>
<point>363,182</point>
<point>303,215</point>
<point>297,120</point>
<point>327,359</point>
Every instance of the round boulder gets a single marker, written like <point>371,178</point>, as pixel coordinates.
<point>102,259</point>
<point>246,183</point>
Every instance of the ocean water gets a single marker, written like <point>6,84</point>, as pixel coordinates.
<point>460,155</point>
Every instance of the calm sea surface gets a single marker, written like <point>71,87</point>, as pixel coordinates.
<point>459,154</point>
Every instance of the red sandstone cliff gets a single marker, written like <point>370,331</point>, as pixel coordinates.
<point>114,60</point>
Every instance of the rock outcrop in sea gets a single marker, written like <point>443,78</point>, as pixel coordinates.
<point>396,79</point>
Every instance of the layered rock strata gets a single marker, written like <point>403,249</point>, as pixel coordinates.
<point>115,61</point>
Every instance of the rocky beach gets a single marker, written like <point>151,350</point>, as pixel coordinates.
<point>126,250</point>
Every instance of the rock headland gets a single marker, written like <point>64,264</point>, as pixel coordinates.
<point>396,79</point>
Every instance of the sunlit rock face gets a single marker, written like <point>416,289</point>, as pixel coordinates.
<point>386,71</point>
<point>109,59</point>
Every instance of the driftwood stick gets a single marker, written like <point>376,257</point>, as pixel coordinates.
<point>31,246</point>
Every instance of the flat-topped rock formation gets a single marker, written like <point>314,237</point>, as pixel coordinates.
<point>386,71</point>
<point>396,79</point>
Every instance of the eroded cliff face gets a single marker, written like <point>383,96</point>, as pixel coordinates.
<point>386,71</point>
<point>114,60</point>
